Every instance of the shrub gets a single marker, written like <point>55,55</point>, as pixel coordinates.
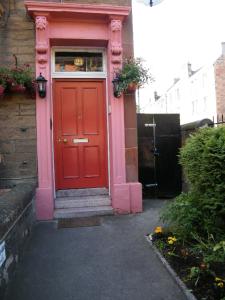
<point>201,211</point>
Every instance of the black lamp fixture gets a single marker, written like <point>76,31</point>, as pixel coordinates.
<point>41,85</point>
<point>116,91</point>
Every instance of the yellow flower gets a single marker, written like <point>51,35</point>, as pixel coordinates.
<point>220,284</point>
<point>171,240</point>
<point>218,279</point>
<point>158,229</point>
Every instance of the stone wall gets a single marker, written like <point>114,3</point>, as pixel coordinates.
<point>16,220</point>
<point>17,139</point>
<point>17,112</point>
<point>17,37</point>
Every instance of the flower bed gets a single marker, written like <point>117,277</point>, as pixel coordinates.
<point>206,281</point>
<point>194,241</point>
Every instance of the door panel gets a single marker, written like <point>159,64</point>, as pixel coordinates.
<point>91,161</point>
<point>80,134</point>
<point>90,111</point>
<point>69,108</point>
<point>71,165</point>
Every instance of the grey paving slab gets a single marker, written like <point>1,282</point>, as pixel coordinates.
<point>108,262</point>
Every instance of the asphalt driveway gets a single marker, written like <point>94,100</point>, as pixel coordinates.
<point>108,262</point>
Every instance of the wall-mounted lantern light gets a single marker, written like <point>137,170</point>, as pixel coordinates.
<point>116,90</point>
<point>41,86</point>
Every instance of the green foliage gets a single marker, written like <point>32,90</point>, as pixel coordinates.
<point>4,75</point>
<point>183,216</point>
<point>133,71</point>
<point>195,273</point>
<point>17,76</point>
<point>160,244</point>
<point>21,75</point>
<point>199,215</point>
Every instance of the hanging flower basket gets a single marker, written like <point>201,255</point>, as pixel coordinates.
<point>131,88</point>
<point>18,88</point>
<point>132,76</point>
<point>17,80</point>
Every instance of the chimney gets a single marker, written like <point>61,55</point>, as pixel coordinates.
<point>190,72</point>
<point>175,80</point>
<point>156,96</point>
<point>223,48</point>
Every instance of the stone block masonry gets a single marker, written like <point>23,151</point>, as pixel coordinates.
<point>17,140</point>
<point>17,112</point>
<point>16,220</point>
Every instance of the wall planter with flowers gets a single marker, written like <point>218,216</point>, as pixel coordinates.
<point>132,76</point>
<point>3,80</point>
<point>17,80</point>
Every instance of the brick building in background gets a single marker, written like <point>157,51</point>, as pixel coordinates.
<point>25,123</point>
<point>219,69</point>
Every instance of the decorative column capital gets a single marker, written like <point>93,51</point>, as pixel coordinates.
<point>41,22</point>
<point>116,40</point>
<point>42,41</point>
<point>116,48</point>
<point>116,25</point>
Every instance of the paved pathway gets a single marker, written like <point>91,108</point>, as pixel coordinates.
<point>108,262</point>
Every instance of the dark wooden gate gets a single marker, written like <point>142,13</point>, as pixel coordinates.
<point>159,140</point>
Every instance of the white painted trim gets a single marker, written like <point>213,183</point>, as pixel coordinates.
<point>108,133</point>
<point>53,145</point>
<point>94,75</point>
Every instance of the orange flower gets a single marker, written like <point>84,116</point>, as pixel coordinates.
<point>158,229</point>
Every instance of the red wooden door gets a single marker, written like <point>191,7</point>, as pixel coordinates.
<point>80,134</point>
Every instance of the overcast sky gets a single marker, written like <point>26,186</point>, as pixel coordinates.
<point>175,32</point>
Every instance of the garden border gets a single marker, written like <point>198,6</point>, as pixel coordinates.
<point>173,274</point>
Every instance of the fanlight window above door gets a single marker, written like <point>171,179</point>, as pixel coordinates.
<point>78,63</point>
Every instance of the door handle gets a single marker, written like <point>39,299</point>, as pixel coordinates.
<point>65,141</point>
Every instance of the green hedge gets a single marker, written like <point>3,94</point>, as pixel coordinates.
<point>201,211</point>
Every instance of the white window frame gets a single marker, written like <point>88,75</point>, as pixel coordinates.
<point>102,74</point>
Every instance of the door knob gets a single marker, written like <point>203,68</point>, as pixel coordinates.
<point>65,141</point>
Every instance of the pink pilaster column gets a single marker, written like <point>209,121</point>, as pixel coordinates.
<point>44,195</point>
<point>120,190</point>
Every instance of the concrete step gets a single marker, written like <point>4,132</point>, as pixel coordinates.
<point>82,192</point>
<point>79,212</point>
<point>84,201</point>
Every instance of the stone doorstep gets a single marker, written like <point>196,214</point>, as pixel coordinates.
<point>173,274</point>
<point>80,212</point>
<point>82,192</point>
<point>76,203</point>
<point>83,201</point>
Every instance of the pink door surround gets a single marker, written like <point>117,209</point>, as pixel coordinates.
<point>68,24</point>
